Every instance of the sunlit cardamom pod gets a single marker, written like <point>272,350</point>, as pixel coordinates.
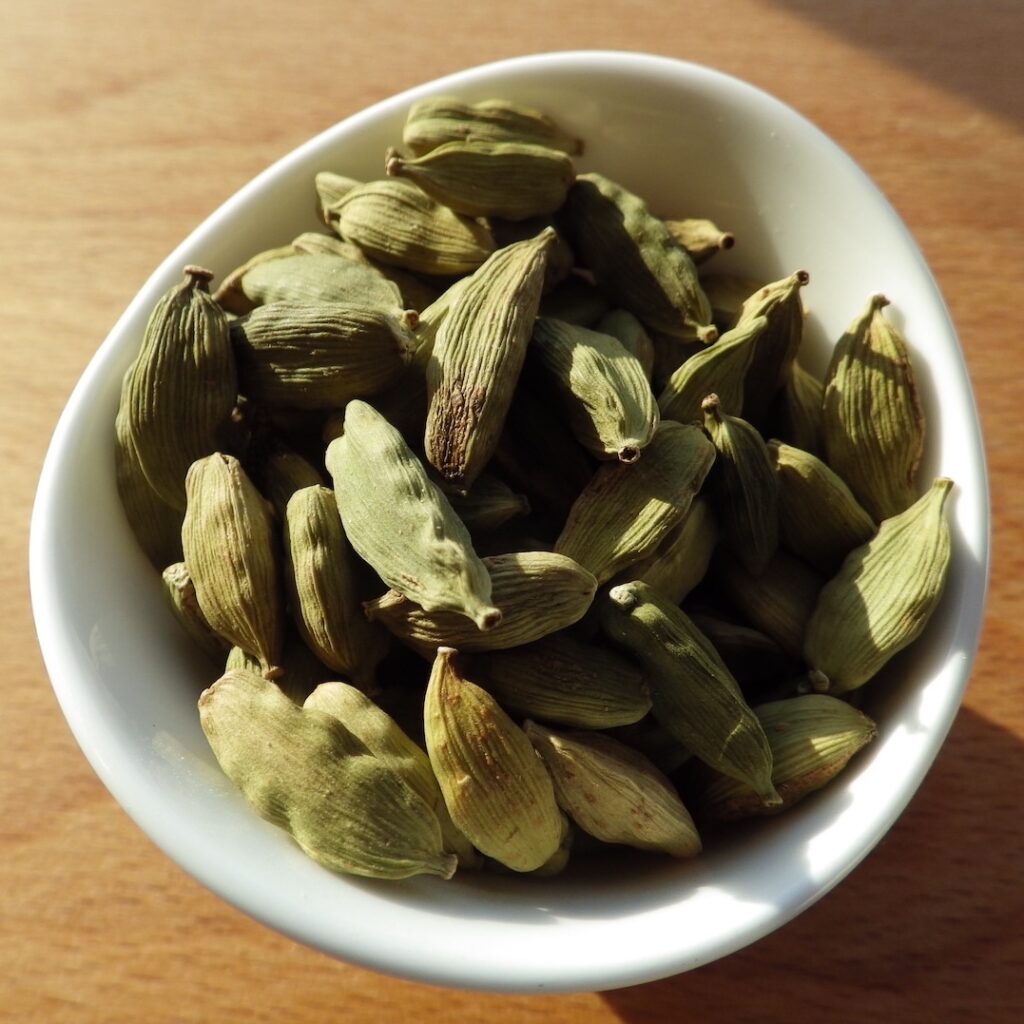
<point>614,793</point>
<point>301,671</point>
<point>601,386</point>
<point>694,695</point>
<point>700,237</point>
<point>230,547</point>
<point>181,596</point>
<point>538,593</point>
<point>625,511</point>
<point>305,772</point>
<point>883,595</point>
<point>622,324</point>
<point>399,522</point>
<point>798,409</point>
<point>231,295</point>
<point>872,420</point>
<point>635,259</point>
<point>496,789</point>
<point>746,487</point>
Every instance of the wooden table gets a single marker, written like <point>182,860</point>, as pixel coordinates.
<point>126,123</point>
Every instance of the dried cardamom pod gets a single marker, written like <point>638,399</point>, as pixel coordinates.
<point>600,385</point>
<point>633,336</point>
<point>489,504</point>
<point>440,119</point>
<point>477,358</point>
<point>746,487</point>
<point>231,295</point>
<point>576,300</point>
<point>655,742</point>
<point>538,593</point>
<point>563,680</point>
<point>284,473</point>
<point>812,739</point>
<point>883,595</point>
<point>694,695</point>
<point>331,189</point>
<point>720,368</point>
<point>301,672</point>
<point>700,237</point>
<point>497,790</point>
<point>820,520</point>
<point>320,355</point>
<point>179,394</point>
<point>872,420</point>
<point>615,793</point>
<point>798,409</point>
<point>511,180</point>
<point>635,259</point>
<point>395,222</point>
<point>181,596</point>
<point>306,773</point>
<point>625,511</point>
<point>230,550</point>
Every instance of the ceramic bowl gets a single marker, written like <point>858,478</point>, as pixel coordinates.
<point>692,141</point>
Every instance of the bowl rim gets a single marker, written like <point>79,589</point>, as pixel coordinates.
<point>97,741</point>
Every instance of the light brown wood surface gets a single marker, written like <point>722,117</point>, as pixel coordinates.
<point>125,122</point>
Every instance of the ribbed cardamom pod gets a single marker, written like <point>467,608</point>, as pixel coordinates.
<point>812,738</point>
<point>601,386</point>
<point>776,346</point>
<point>230,548</point>
<point>399,522</point>
<point>635,259</point>
<point>283,473</point>
<point>181,596</point>
<point>720,368</point>
<point>778,601</point>
<point>694,695</point>
<point>883,595</point>
<point>745,485</point>
<point>577,301</point>
<point>231,295</point>
<point>564,680</point>
<point>700,237</point>
<point>179,394</point>
<point>320,571</point>
<point>394,221</point>
<point>798,409</point>
<point>435,121</point>
<point>331,189</point>
<point>538,593</point>
<point>622,324</point>
<point>727,293</point>
<point>625,511</point>
<point>306,773</point>
<point>872,420</point>
<point>320,355</point>
<point>498,792</point>
<point>511,180</point>
<point>489,504</point>
<point>316,243</point>
<point>681,560</point>
<point>614,793</point>
<point>477,358</point>
<point>385,739</point>
<point>820,520</point>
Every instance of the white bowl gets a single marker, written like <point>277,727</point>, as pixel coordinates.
<point>693,142</point>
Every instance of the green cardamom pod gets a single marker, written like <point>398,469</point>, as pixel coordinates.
<point>301,672</point>
<point>231,295</point>
<point>575,300</point>
<point>561,258</point>
<point>632,334</point>
<point>700,237</point>
<point>727,293</point>
<point>283,473</point>
<point>755,660</point>
<point>181,596</point>
<point>798,409</point>
<point>669,355</point>
<point>331,189</point>
<point>489,504</point>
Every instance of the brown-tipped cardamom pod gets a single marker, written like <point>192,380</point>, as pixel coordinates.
<point>433,122</point>
<point>477,358</point>
<point>496,789</point>
<point>635,259</point>
<point>820,520</point>
<point>746,487</point>
<point>538,593</point>
<point>306,773</point>
<point>511,180</point>
<point>401,524</point>
<point>872,420</point>
<point>812,738</point>
<point>489,504</point>
<point>700,237</point>
<point>622,324</point>
<point>883,595</point>
<point>798,409</point>
<point>601,386</point>
<point>614,793</point>
<point>694,695</point>
<point>720,368</point>
<point>320,355</point>
<point>394,221</point>
<point>320,571</point>
<point>230,548</point>
<point>625,511</point>
<point>563,680</point>
<point>181,596</point>
<point>179,394</point>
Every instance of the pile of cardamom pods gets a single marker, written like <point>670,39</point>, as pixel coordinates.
<point>511,529</point>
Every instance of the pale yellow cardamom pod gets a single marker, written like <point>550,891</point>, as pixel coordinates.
<point>700,237</point>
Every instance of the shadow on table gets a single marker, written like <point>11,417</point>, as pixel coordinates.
<point>931,918</point>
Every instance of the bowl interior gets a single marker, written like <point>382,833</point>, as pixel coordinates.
<point>694,143</point>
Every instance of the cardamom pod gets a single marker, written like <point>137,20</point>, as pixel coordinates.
<point>798,409</point>
<point>883,595</point>
<point>331,189</point>
<point>231,295</point>
<point>181,596</point>
<point>284,473</point>
<point>301,671</point>
<point>576,300</point>
<point>489,504</point>
<point>624,326</point>
<point>754,659</point>
<point>727,292</point>
<point>701,238</point>
<point>561,258</point>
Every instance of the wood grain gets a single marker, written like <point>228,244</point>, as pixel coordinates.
<point>126,123</point>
